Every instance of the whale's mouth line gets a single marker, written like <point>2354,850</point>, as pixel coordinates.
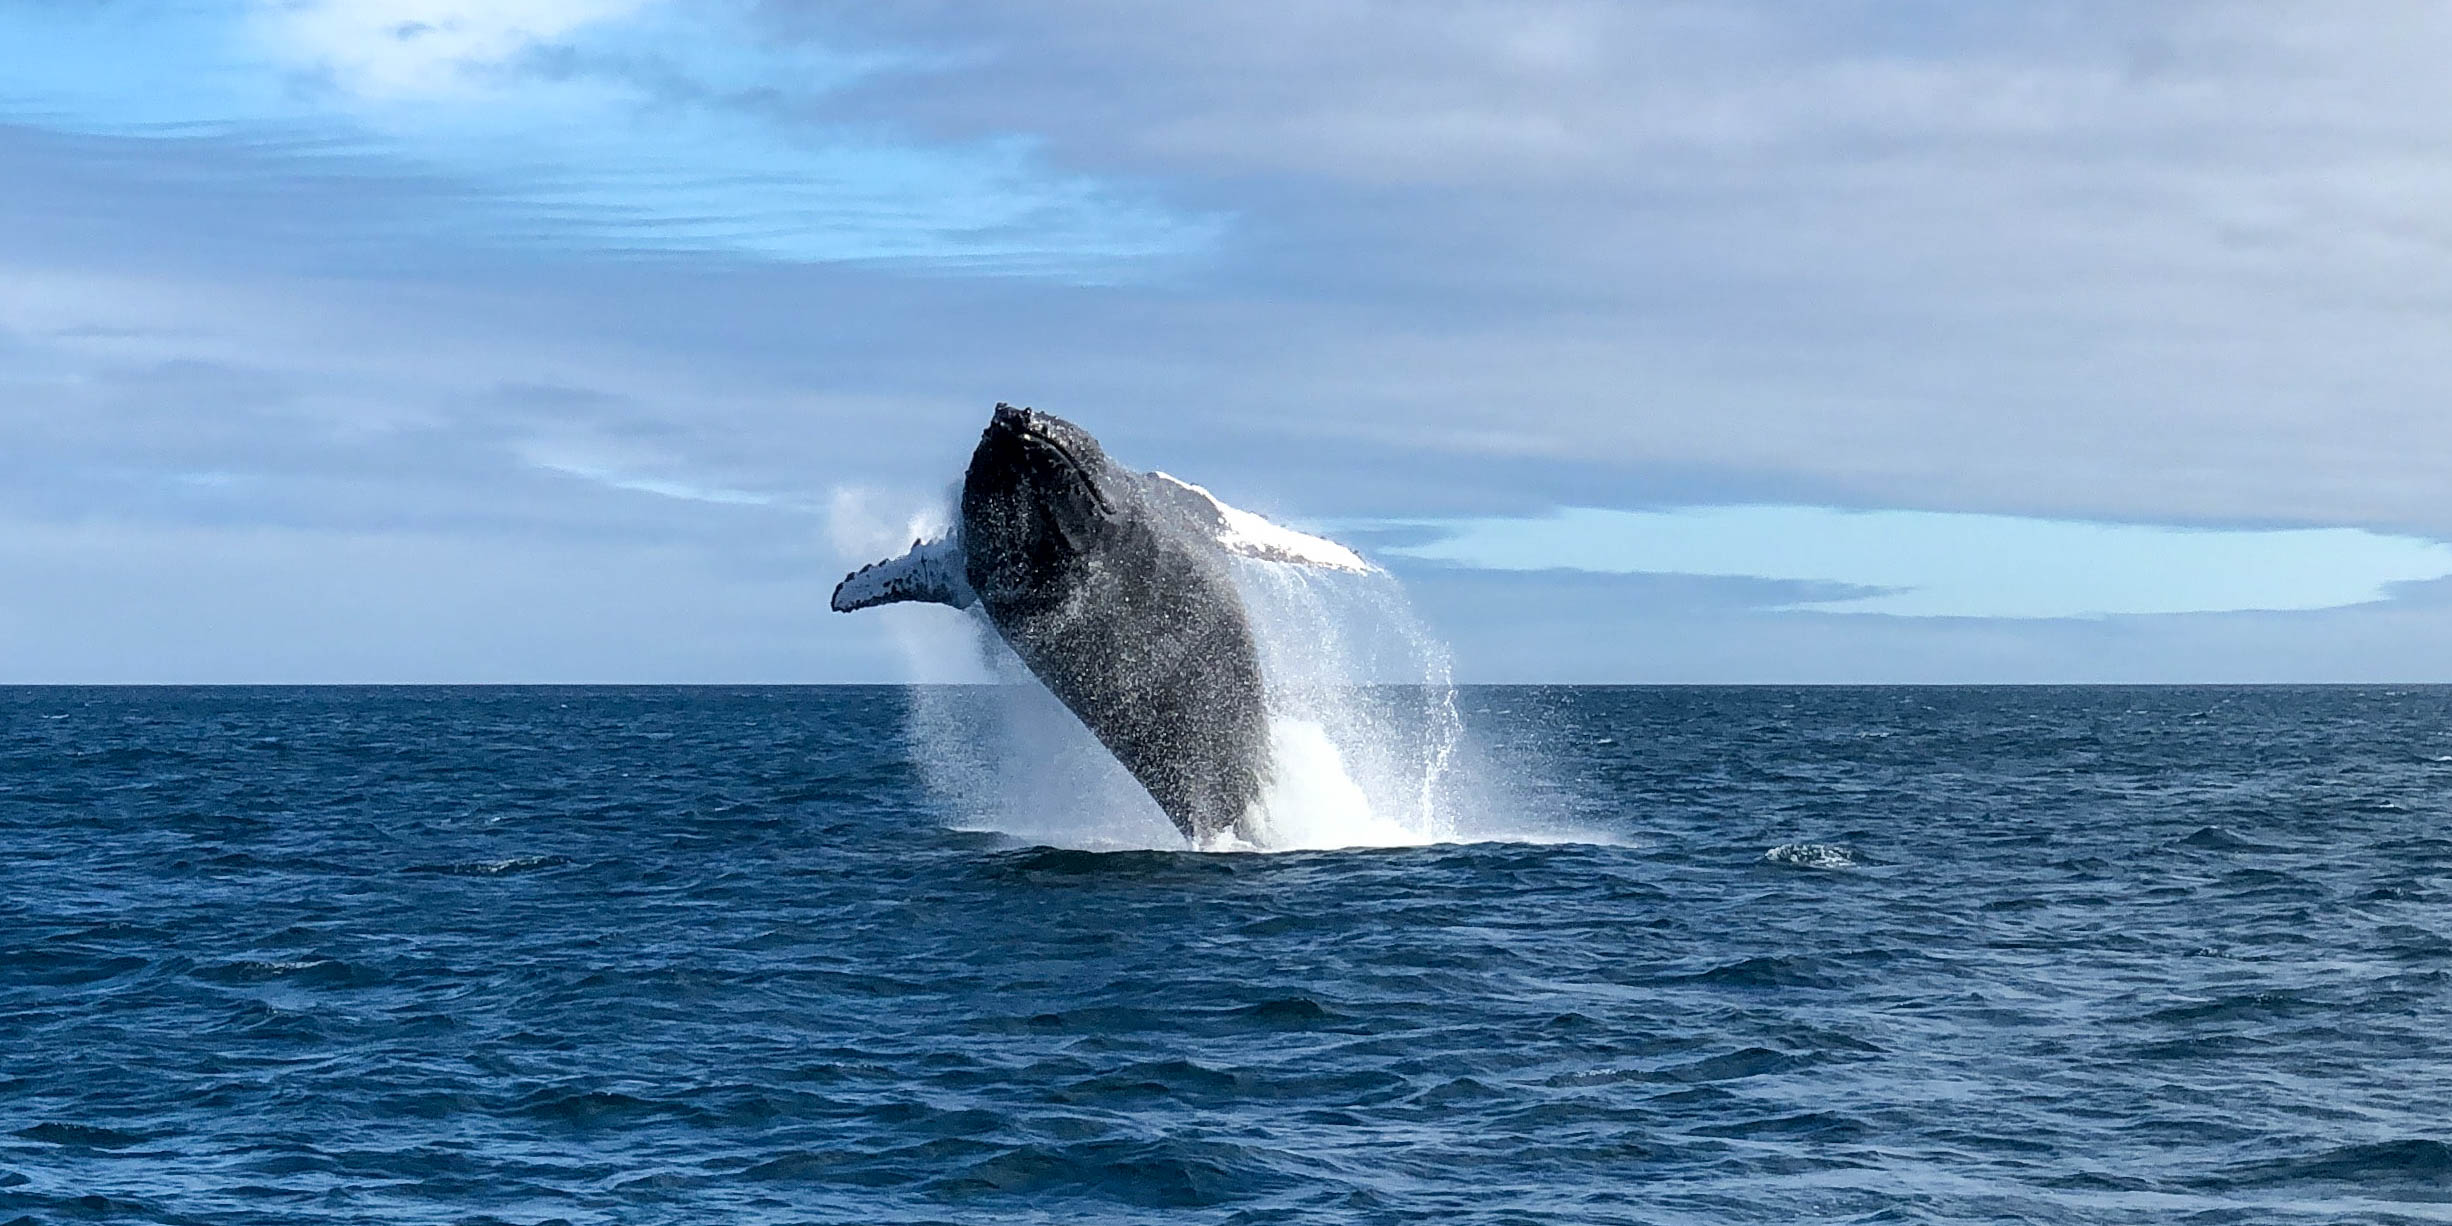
<point>1081,471</point>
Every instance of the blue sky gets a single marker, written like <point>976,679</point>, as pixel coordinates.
<point>576,340</point>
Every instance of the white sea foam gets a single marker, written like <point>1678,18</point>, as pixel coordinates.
<point>1313,801</point>
<point>1812,855</point>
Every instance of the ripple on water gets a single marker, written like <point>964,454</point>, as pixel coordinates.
<point>82,1136</point>
<point>602,955</point>
<point>2412,1168</point>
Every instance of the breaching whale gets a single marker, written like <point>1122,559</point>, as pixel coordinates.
<point>1113,588</point>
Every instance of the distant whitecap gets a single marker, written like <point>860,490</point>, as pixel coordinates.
<point>1812,855</point>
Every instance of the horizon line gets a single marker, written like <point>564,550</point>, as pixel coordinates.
<point>988,685</point>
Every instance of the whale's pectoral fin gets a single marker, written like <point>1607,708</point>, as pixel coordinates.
<point>1242,533</point>
<point>931,572</point>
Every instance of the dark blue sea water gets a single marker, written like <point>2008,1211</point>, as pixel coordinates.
<point>715,955</point>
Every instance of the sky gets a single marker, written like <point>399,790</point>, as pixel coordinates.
<point>1751,342</point>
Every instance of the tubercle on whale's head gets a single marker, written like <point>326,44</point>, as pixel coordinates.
<point>1040,491</point>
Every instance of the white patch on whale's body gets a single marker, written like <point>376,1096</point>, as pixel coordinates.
<point>932,570</point>
<point>1245,534</point>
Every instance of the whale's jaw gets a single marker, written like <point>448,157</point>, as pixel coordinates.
<point>1037,497</point>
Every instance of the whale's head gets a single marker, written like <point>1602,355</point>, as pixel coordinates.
<point>1039,495</point>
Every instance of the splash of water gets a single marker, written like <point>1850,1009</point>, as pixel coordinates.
<point>1363,728</point>
<point>1009,758</point>
<point>1363,733</point>
<point>1362,711</point>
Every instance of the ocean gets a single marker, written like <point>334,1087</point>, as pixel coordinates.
<point>1676,955</point>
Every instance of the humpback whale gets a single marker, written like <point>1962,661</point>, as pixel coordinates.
<point>1113,588</point>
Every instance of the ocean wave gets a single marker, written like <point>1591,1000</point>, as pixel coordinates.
<point>83,1136</point>
<point>2410,1167</point>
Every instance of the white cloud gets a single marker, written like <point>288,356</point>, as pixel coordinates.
<point>620,126</point>
<point>409,49</point>
<point>1489,91</point>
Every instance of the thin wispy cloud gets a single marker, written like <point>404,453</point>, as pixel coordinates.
<point>1939,564</point>
<point>679,488</point>
<point>640,125</point>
